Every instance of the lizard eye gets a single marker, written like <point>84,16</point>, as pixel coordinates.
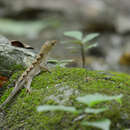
<point>54,42</point>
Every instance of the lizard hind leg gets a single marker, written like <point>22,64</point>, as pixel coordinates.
<point>28,84</point>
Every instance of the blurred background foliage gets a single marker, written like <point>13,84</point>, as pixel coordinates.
<point>34,21</point>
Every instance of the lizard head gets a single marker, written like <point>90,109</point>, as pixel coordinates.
<point>47,46</point>
<point>51,43</point>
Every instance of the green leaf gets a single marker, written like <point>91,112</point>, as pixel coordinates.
<point>90,37</point>
<point>119,101</point>
<point>71,47</point>
<point>63,42</point>
<point>22,28</point>
<point>72,41</point>
<point>56,108</point>
<point>74,34</point>
<point>53,61</point>
<point>59,61</point>
<point>91,46</point>
<point>95,111</point>
<point>61,65</point>
<point>76,42</point>
<point>102,124</point>
<point>66,61</point>
<point>93,99</point>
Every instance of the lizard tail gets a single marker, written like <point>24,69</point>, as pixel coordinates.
<point>12,94</point>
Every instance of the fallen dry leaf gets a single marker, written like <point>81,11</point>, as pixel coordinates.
<point>3,80</point>
<point>20,44</point>
<point>125,59</point>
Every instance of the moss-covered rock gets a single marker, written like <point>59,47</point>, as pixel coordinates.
<point>62,86</point>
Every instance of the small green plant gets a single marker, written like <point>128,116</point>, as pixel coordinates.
<point>82,41</point>
<point>90,100</point>
<point>60,63</point>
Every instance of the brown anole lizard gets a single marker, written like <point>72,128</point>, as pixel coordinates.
<point>38,65</point>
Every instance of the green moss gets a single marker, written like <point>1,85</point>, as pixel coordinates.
<point>8,87</point>
<point>62,86</point>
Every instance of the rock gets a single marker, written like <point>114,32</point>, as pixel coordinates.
<point>4,40</point>
<point>16,55</point>
<point>122,24</point>
<point>10,55</point>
